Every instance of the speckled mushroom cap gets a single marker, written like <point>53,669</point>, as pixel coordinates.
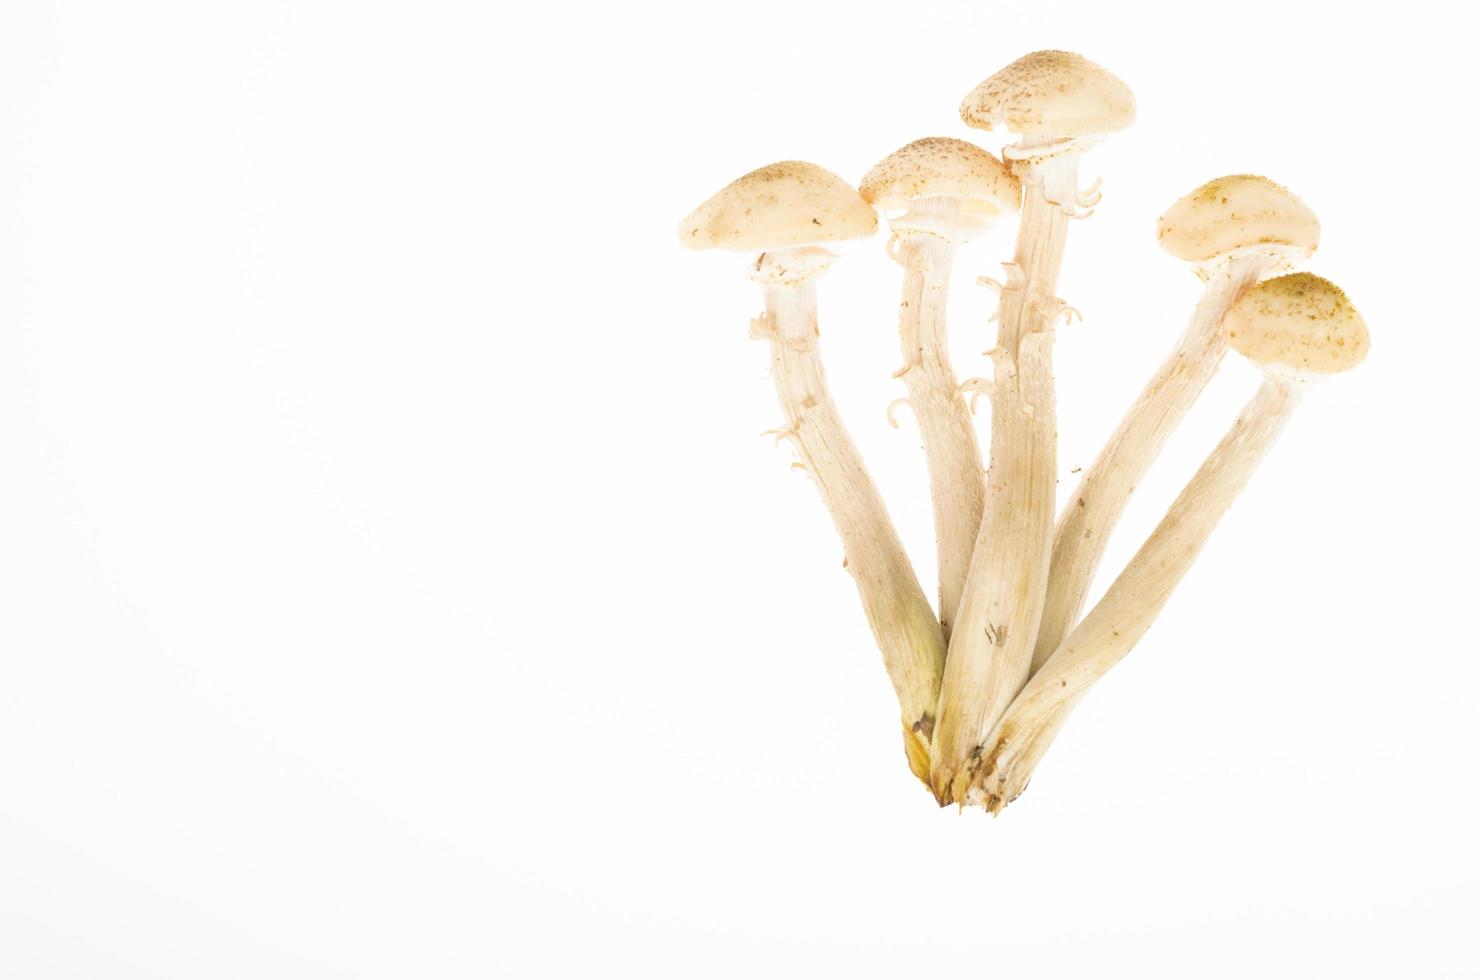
<point>1051,93</point>
<point>939,166</point>
<point>1298,322</point>
<point>778,206</point>
<point>1238,212</point>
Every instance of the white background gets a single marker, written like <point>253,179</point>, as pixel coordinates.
<point>393,582</point>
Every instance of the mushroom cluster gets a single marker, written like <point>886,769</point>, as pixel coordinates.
<point>987,675</point>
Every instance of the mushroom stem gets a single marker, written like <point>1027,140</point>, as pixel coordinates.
<point>952,456</point>
<point>1085,525</point>
<point>1117,622</point>
<point>898,613</point>
<point>992,644</point>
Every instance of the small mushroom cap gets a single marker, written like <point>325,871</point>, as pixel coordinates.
<point>779,206</point>
<point>1298,322</point>
<point>1237,212</point>
<point>1051,93</point>
<point>939,166</point>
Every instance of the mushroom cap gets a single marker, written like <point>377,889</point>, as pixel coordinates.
<point>778,206</point>
<point>1051,93</point>
<point>1299,322</point>
<point>939,166</point>
<point>1237,212</point>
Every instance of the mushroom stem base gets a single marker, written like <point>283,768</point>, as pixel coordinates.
<point>903,624</point>
<point>1007,758</point>
<point>992,643</point>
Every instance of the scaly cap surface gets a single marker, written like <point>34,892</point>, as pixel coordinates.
<point>1051,93</point>
<point>780,205</point>
<point>1299,322</point>
<point>1242,211</point>
<point>939,166</point>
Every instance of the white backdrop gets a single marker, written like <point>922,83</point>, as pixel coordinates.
<point>393,582</point>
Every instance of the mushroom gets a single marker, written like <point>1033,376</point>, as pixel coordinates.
<point>1296,328</point>
<point>787,211</point>
<point>1060,104</point>
<point>1235,230</point>
<point>945,192</point>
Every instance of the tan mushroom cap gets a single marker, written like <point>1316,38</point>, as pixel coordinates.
<point>1237,212</point>
<point>939,166</point>
<point>778,206</point>
<point>1051,93</point>
<point>1299,321</point>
